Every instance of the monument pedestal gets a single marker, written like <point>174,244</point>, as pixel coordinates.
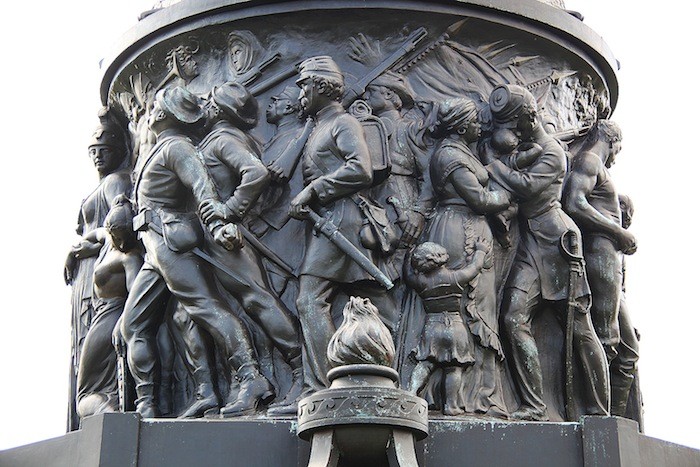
<point>122,440</point>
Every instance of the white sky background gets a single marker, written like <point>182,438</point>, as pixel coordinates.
<point>49,80</point>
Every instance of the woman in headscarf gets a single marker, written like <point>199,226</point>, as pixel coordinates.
<point>464,198</point>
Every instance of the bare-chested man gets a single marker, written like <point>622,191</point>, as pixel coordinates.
<point>590,198</point>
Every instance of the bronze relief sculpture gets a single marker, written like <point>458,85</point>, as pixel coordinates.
<point>424,170</point>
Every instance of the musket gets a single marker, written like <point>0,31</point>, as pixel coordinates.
<point>273,81</point>
<point>357,89</point>
<point>329,230</point>
<point>570,247</point>
<point>289,159</point>
<point>444,37</point>
<point>554,78</point>
<point>256,72</point>
<point>571,133</point>
<point>266,252</point>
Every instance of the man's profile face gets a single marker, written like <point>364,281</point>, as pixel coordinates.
<point>375,98</point>
<point>615,148</point>
<point>527,121</point>
<point>310,98</point>
<point>277,109</point>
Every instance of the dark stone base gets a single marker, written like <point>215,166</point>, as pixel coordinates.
<point>121,440</point>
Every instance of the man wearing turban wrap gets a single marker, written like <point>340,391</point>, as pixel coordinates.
<point>540,273</point>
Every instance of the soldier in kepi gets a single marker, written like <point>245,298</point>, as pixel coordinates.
<point>591,200</point>
<point>540,273</point>
<point>232,158</point>
<point>337,166</point>
<point>172,174</point>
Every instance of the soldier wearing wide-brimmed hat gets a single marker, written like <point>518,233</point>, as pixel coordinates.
<point>232,158</point>
<point>168,177</point>
<point>391,98</point>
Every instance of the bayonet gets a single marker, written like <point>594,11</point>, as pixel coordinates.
<point>359,87</point>
<point>554,78</point>
<point>444,37</point>
<point>329,230</point>
<point>256,72</point>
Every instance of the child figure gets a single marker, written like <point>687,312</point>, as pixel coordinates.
<point>506,145</point>
<point>511,151</point>
<point>445,342</point>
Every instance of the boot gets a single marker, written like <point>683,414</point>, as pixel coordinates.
<point>204,399</point>
<point>288,405</point>
<point>145,402</point>
<point>255,388</point>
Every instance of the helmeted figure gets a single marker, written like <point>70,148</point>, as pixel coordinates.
<point>540,273</point>
<point>117,265</point>
<point>171,176</point>
<point>232,158</point>
<point>107,150</point>
<point>337,167</point>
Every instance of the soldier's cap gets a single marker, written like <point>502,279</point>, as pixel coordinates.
<point>397,83</point>
<point>237,103</point>
<point>180,104</point>
<point>289,93</point>
<point>322,66</point>
<point>508,100</point>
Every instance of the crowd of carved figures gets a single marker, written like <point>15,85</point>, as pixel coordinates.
<point>212,265</point>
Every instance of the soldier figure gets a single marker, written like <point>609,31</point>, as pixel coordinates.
<point>391,97</point>
<point>170,174</point>
<point>540,272</point>
<point>337,166</point>
<point>232,158</point>
<point>281,155</point>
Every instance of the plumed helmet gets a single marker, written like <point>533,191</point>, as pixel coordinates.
<point>237,103</point>
<point>508,100</point>
<point>322,66</point>
<point>181,105</point>
<point>107,135</point>
<point>399,84</point>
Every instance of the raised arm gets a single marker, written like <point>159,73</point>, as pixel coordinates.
<point>469,272</point>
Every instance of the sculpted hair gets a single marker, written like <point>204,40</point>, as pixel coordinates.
<point>120,215</point>
<point>334,88</point>
<point>428,256</point>
<point>604,130</point>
